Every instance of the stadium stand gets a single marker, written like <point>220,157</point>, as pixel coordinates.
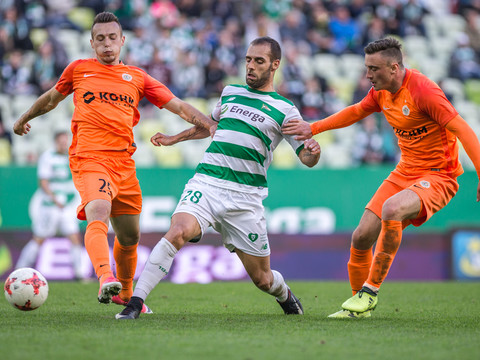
<point>221,32</point>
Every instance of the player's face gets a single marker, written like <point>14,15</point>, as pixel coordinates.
<point>62,142</point>
<point>259,68</point>
<point>107,41</point>
<point>381,72</point>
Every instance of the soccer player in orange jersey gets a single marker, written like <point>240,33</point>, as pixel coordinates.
<point>106,96</point>
<point>425,180</point>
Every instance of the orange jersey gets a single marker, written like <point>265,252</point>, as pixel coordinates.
<point>106,98</point>
<point>418,113</point>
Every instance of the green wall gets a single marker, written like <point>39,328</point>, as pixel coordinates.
<point>344,193</point>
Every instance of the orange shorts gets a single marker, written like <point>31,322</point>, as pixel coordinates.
<point>109,175</point>
<point>434,189</point>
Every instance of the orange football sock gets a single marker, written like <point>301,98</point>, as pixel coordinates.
<point>358,267</point>
<point>126,264</point>
<point>96,243</point>
<point>387,245</point>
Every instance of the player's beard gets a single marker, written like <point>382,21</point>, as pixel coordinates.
<point>261,80</point>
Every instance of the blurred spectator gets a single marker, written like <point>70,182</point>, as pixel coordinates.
<point>388,12</point>
<point>375,30</point>
<point>17,28</point>
<point>35,13</point>
<point>368,143</point>
<point>125,11</point>
<point>223,10</point>
<point>5,144</point>
<point>6,44</point>
<point>16,76</point>
<point>140,48</point>
<point>275,9</point>
<point>293,27</point>
<point>411,18</point>
<point>165,13</point>
<point>190,8</point>
<point>57,14</point>
<point>214,78</point>
<point>261,25</point>
<point>318,34</point>
<point>313,100</point>
<point>293,83</point>
<point>345,32</point>
<point>362,89</point>
<point>228,52</point>
<point>188,78</point>
<point>360,10</point>
<point>473,29</point>
<point>46,69</point>
<point>464,62</point>
<point>159,70</point>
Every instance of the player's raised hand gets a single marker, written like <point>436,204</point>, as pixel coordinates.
<point>298,127</point>
<point>21,129</point>
<point>160,139</point>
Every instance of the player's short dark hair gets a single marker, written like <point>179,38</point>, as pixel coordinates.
<point>275,50</point>
<point>105,17</point>
<point>389,47</point>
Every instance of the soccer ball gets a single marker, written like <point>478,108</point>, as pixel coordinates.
<point>26,289</point>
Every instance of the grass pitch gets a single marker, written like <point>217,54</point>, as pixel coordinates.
<point>234,320</point>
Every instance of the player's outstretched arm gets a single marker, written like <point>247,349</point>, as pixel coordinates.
<point>298,127</point>
<point>310,154</point>
<point>346,117</point>
<point>46,102</point>
<point>460,128</point>
<point>190,114</point>
<point>195,132</point>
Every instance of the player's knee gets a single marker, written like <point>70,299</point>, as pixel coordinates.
<point>128,239</point>
<point>179,234</point>
<point>262,281</point>
<point>390,211</point>
<point>363,238</point>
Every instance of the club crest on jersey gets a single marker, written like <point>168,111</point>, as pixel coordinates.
<point>265,107</point>
<point>425,184</point>
<point>127,77</point>
<point>405,110</point>
<point>224,109</point>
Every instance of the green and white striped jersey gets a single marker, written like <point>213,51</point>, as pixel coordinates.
<point>249,130</point>
<point>54,167</point>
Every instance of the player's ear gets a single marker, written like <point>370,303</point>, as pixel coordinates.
<point>275,64</point>
<point>394,67</point>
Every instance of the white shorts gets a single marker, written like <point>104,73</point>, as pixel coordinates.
<point>48,221</point>
<point>238,216</point>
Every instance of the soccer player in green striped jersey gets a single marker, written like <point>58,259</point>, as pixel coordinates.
<point>230,183</point>
<point>53,206</point>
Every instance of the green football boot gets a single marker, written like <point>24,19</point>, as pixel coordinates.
<point>347,314</point>
<point>363,300</point>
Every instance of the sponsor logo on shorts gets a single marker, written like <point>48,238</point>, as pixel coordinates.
<point>253,237</point>
<point>265,247</point>
<point>425,184</point>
